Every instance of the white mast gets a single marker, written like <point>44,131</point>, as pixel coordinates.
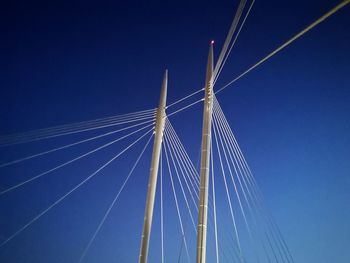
<point>152,183</point>
<point>205,160</point>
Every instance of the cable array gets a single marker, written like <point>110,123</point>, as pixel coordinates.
<point>73,160</point>
<point>63,197</point>
<point>67,129</point>
<point>261,226</point>
<point>131,125</point>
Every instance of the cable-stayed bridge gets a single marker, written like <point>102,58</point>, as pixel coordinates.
<point>217,203</point>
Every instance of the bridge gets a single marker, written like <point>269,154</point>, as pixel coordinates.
<point>219,208</point>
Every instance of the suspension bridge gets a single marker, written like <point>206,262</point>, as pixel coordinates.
<point>218,206</point>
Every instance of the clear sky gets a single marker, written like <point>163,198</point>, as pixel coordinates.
<point>68,61</point>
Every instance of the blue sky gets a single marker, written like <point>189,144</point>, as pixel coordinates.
<point>68,61</point>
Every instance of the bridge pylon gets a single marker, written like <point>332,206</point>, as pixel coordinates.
<point>205,161</point>
<point>152,183</point>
